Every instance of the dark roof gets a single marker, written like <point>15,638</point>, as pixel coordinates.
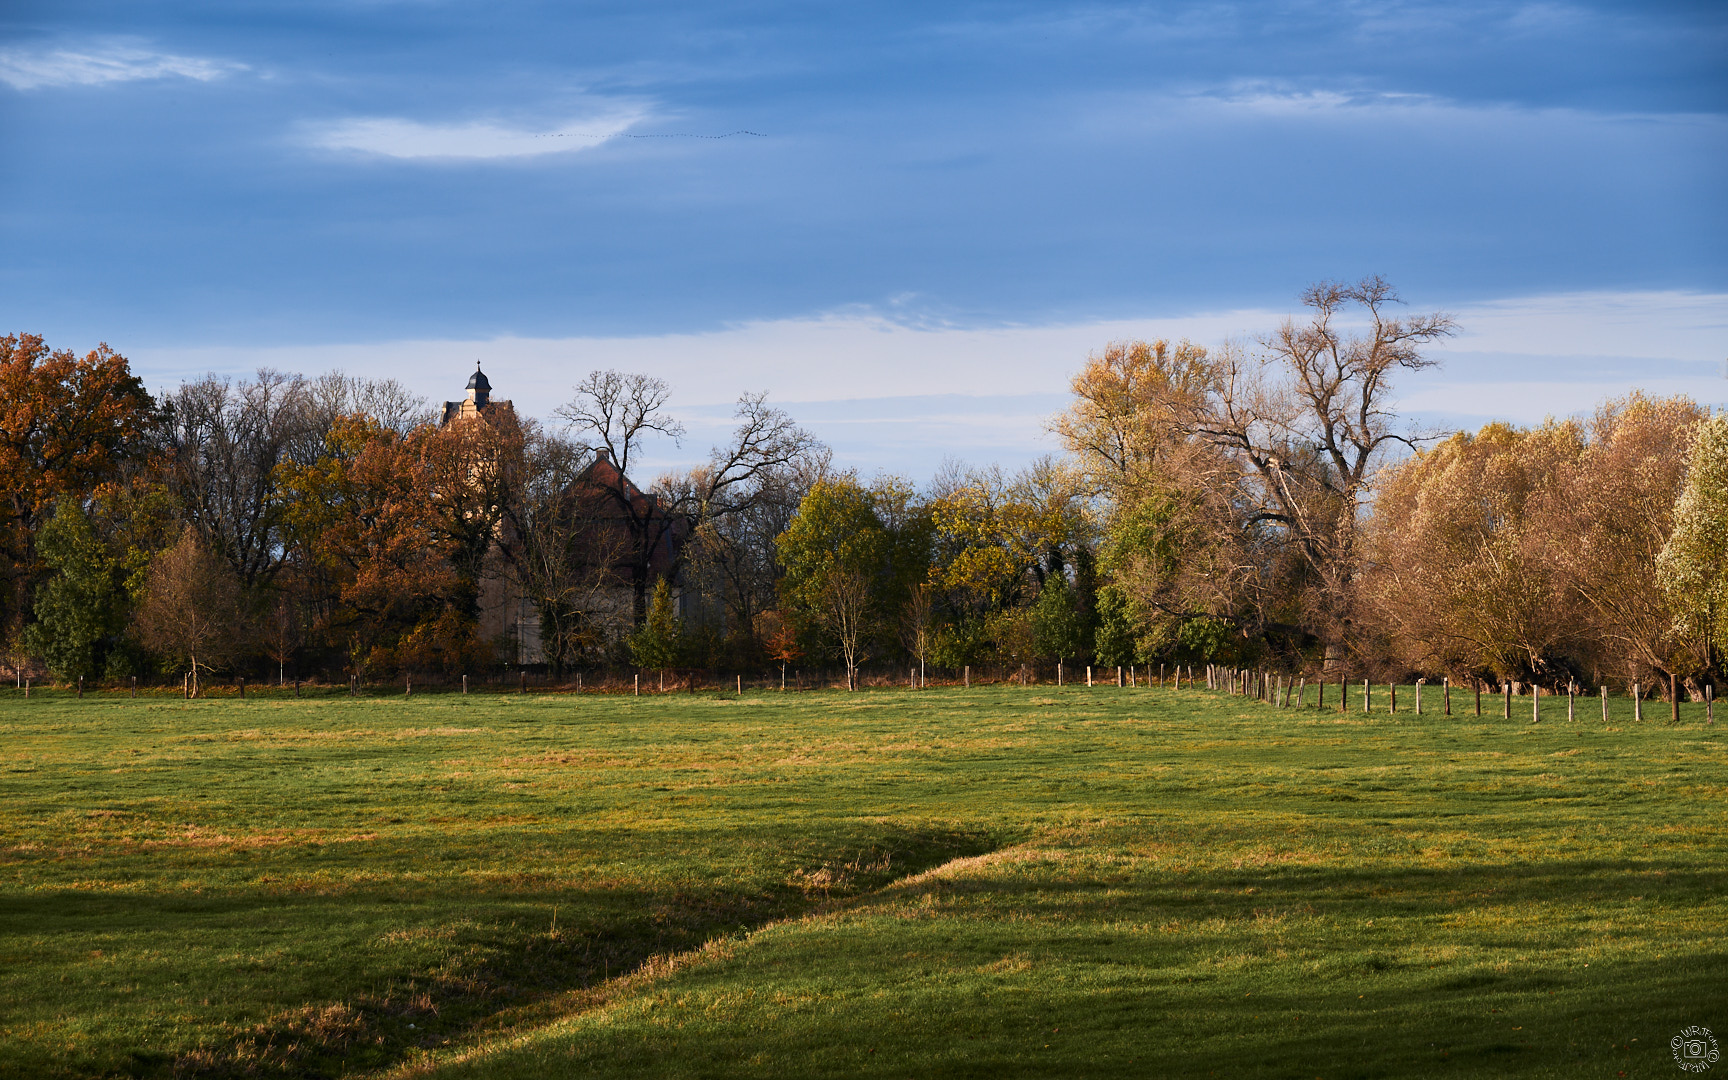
<point>478,380</point>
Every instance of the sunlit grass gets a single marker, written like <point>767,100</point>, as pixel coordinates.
<point>998,881</point>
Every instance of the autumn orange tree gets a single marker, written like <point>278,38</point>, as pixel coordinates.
<point>67,424</point>
<point>365,514</point>
<point>474,473</point>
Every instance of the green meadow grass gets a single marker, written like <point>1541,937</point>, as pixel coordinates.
<point>988,882</point>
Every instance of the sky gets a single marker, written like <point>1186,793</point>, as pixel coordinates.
<point>909,223</point>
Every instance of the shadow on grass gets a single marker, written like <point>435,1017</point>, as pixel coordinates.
<point>1029,969</point>
<point>361,977</point>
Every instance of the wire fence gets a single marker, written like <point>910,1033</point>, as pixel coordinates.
<point>1323,692</point>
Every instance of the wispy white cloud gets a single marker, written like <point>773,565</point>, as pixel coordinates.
<point>1297,100</point>
<point>394,137</point>
<point>31,69</point>
<point>1517,359</point>
<point>1279,99</point>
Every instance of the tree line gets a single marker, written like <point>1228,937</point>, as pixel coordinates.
<point>1244,505</point>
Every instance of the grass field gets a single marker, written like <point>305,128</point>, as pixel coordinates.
<point>987,882</point>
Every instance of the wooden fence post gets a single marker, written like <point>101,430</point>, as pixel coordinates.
<point>296,686</point>
<point>1506,691</point>
<point>243,687</point>
<point>1419,684</point>
<point>408,685</point>
<point>1088,674</point>
<point>1709,703</point>
<point>524,682</point>
<point>1571,701</point>
<point>968,684</point>
<point>1320,686</point>
<point>1637,702</point>
<point>638,684</point>
<point>1673,699</point>
<point>1058,673</point>
<point>740,686</point>
<point>1446,695</point>
<point>1367,698</point>
<point>464,684</point>
<point>1302,694</point>
<point>134,686</point>
<point>80,688</point>
<point>1160,676</point>
<point>1392,707</point>
<point>1535,704</point>
<point>1604,689</point>
<point>26,689</point>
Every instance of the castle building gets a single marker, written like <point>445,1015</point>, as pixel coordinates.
<point>478,403</point>
<point>619,536</point>
<point>508,618</point>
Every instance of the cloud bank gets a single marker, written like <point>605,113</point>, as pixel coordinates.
<point>890,395</point>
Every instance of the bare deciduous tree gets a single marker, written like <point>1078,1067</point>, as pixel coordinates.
<point>615,412</point>
<point>1308,419</point>
<point>281,635</point>
<point>228,439</point>
<point>562,558</point>
<point>1239,475</point>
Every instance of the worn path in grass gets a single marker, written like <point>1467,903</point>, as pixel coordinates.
<point>993,882</point>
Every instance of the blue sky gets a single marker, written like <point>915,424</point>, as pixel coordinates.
<point>946,206</point>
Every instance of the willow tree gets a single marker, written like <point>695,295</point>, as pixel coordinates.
<point>1462,576</point>
<point>1693,565</point>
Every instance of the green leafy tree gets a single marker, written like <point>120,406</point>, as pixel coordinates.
<point>1113,641</point>
<point>1059,629</point>
<point>81,608</point>
<point>959,643</point>
<point>659,640</point>
<point>837,554</point>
